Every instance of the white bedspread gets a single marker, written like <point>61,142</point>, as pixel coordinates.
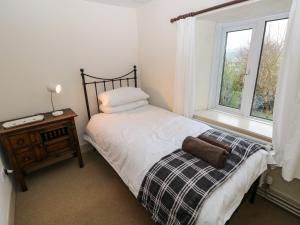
<point>133,141</point>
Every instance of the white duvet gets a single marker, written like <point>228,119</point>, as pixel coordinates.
<point>135,140</point>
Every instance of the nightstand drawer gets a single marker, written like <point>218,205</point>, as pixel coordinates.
<point>25,157</point>
<point>61,145</point>
<point>35,138</point>
<point>19,141</point>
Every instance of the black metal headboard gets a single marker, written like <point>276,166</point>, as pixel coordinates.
<point>105,83</point>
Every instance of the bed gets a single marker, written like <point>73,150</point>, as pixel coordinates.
<point>133,141</point>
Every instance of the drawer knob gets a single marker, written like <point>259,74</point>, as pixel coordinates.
<point>20,141</point>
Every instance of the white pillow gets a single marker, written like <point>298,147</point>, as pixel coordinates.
<point>124,107</point>
<point>121,96</point>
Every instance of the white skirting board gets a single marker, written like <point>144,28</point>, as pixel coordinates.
<point>8,202</point>
<point>280,200</point>
<point>11,219</point>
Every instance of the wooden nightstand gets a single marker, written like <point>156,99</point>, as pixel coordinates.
<point>36,145</point>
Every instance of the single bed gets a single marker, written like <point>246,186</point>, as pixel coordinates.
<point>133,141</point>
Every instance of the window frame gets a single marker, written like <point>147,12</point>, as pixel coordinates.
<point>258,27</point>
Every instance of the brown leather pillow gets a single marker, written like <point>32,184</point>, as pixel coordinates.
<point>212,154</point>
<point>216,143</point>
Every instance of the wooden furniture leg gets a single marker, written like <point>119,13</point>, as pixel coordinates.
<point>77,148</point>
<point>254,190</point>
<point>20,179</point>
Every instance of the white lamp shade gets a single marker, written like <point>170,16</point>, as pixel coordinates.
<point>54,88</point>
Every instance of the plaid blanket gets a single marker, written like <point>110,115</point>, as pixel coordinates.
<point>175,188</point>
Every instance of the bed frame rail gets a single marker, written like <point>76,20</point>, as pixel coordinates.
<point>105,83</point>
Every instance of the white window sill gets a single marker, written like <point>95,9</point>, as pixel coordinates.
<point>244,125</point>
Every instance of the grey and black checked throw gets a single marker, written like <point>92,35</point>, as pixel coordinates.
<point>175,188</point>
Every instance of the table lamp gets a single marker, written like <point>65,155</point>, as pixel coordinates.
<point>54,89</point>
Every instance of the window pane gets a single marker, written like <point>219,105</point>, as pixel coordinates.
<point>265,88</point>
<point>235,66</point>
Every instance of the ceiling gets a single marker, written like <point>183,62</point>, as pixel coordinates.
<point>126,3</point>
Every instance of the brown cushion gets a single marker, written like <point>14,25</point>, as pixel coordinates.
<point>216,143</point>
<point>212,154</point>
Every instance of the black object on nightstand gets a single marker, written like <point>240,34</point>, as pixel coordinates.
<point>36,145</point>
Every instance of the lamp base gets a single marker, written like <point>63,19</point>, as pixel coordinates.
<point>57,113</point>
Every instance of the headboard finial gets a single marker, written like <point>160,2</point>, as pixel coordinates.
<point>82,71</point>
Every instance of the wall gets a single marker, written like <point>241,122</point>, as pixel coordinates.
<point>48,41</point>
<point>157,45</point>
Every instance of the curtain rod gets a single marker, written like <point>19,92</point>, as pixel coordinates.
<point>192,14</point>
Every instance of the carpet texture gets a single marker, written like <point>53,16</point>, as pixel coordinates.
<point>64,194</point>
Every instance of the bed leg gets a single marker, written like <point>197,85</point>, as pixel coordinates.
<point>254,190</point>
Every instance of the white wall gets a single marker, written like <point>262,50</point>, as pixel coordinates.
<point>48,41</point>
<point>157,45</point>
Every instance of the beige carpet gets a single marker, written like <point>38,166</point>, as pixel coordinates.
<point>63,194</point>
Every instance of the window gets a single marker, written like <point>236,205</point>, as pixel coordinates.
<point>234,67</point>
<point>248,56</point>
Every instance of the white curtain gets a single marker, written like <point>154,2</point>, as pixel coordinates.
<point>185,77</point>
<point>286,134</point>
